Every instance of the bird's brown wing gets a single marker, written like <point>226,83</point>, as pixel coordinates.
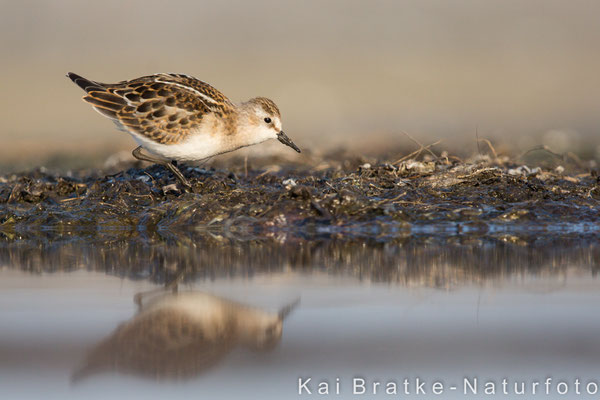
<point>163,107</point>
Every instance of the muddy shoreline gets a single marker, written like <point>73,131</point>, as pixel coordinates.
<point>341,197</point>
<point>433,222</point>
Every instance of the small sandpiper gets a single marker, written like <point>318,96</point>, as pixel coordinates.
<point>176,117</point>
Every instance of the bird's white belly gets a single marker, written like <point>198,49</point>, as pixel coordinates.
<point>197,146</point>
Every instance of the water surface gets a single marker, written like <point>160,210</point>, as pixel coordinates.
<point>433,308</point>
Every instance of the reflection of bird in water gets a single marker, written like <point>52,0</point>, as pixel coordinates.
<point>179,335</point>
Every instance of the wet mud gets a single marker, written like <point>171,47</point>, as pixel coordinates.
<point>353,198</point>
<point>433,222</point>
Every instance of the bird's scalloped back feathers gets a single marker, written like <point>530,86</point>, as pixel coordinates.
<point>214,99</point>
<point>106,103</point>
<point>163,107</point>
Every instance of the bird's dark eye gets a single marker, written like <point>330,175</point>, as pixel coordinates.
<point>268,120</point>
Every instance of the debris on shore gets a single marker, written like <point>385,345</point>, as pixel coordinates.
<point>354,197</point>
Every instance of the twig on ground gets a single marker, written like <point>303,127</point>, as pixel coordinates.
<point>486,141</point>
<point>416,153</point>
<point>269,170</point>
<point>577,160</point>
<point>564,157</point>
<point>420,145</point>
<point>542,147</point>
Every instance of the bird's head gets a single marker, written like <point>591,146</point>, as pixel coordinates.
<point>266,328</point>
<point>263,122</point>
<point>268,336</point>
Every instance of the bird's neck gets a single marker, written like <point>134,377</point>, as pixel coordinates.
<point>247,126</point>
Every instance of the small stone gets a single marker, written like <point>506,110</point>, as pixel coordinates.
<point>170,188</point>
<point>300,191</point>
<point>524,170</point>
<point>289,183</point>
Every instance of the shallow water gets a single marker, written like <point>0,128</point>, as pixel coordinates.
<point>434,308</point>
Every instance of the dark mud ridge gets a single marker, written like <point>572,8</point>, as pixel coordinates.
<point>434,223</point>
<point>354,199</point>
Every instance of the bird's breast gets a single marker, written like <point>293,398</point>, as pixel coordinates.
<point>200,144</point>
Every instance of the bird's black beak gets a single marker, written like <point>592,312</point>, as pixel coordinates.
<point>285,311</point>
<point>282,137</point>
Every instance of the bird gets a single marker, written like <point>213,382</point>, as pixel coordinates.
<point>179,335</point>
<point>178,118</point>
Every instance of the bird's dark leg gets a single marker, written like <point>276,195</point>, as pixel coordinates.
<point>178,174</point>
<point>171,166</point>
<point>172,286</point>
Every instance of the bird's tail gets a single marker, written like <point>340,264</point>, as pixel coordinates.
<point>98,95</point>
<point>84,83</point>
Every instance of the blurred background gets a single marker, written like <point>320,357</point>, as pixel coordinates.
<point>346,74</point>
